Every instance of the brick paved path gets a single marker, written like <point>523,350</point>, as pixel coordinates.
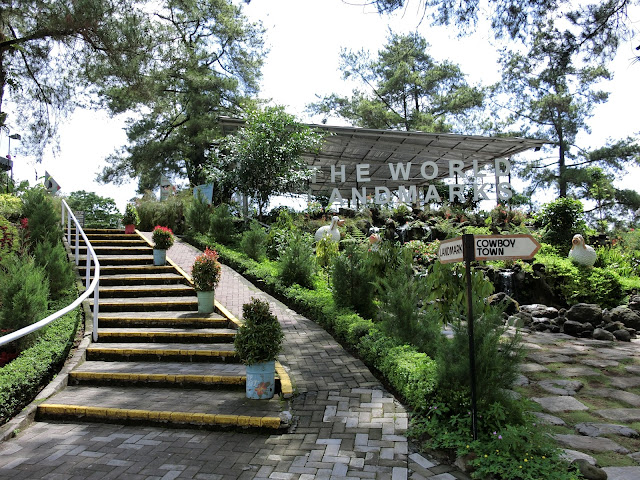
<point>347,425</point>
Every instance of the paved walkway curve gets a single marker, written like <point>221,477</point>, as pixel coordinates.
<point>348,425</point>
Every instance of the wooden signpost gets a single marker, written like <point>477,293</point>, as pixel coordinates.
<point>481,248</point>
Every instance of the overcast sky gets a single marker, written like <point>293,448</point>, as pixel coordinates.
<point>305,38</point>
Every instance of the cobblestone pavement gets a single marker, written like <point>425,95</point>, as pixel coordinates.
<point>347,425</point>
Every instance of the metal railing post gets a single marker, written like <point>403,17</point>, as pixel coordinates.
<point>78,248</point>
<point>69,229</point>
<point>96,307</point>
<point>88,271</point>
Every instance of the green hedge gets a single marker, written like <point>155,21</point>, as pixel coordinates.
<point>410,373</point>
<point>23,378</point>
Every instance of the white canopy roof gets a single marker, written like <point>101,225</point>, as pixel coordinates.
<point>350,146</point>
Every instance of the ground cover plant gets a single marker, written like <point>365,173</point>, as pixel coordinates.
<point>399,335</point>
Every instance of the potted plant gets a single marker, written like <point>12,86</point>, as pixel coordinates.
<point>130,218</point>
<point>258,343</point>
<point>206,275</point>
<point>162,239</point>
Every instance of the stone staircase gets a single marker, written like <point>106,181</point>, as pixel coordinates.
<point>157,360</point>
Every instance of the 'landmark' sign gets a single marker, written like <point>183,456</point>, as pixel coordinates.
<point>483,247</point>
<point>490,247</point>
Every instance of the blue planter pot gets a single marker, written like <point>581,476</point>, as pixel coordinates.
<point>159,257</point>
<point>206,302</point>
<point>261,379</point>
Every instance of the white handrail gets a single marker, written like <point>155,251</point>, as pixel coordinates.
<point>90,287</point>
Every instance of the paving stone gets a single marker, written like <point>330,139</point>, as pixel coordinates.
<point>622,473</point>
<point>560,387</point>
<point>571,455</point>
<point>600,363</point>
<point>634,369</point>
<point>533,367</point>
<point>549,358</point>
<point>547,419</point>
<point>625,415</point>
<point>561,403</point>
<point>615,394</point>
<point>593,429</point>
<point>591,444</point>
<point>578,372</point>
<point>625,382</point>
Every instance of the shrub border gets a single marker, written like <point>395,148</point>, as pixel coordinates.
<point>410,373</point>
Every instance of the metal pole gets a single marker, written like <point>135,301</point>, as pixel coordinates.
<point>78,246</point>
<point>469,256</point>
<point>88,271</point>
<point>96,305</point>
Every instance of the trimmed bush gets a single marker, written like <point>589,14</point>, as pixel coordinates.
<point>23,378</point>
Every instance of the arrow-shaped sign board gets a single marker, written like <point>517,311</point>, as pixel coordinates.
<point>504,247</point>
<point>490,247</point>
<point>451,250</point>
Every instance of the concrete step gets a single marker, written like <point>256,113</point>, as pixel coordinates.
<point>192,408</point>
<point>143,291</point>
<point>167,335</point>
<point>126,269</point>
<point>122,250</point>
<point>107,242</point>
<point>164,374</point>
<point>141,279</point>
<point>163,352</point>
<point>162,319</point>
<point>121,259</point>
<point>148,304</point>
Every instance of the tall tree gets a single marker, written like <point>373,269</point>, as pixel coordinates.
<point>599,26</point>
<point>552,91</point>
<point>263,158</point>
<point>207,66</point>
<point>49,50</point>
<point>403,88</point>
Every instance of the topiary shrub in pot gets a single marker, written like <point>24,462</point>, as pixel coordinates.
<point>258,343</point>
<point>162,240</point>
<point>206,275</point>
<point>130,218</point>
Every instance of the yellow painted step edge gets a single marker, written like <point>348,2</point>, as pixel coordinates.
<point>132,351</point>
<point>102,413</point>
<point>161,377</point>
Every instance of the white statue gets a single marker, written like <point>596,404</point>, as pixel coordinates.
<point>331,230</point>
<point>581,253</point>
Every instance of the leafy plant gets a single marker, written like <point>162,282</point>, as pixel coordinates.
<point>297,262</point>
<point>162,237</point>
<point>259,339</point>
<point>9,239</point>
<point>130,216</point>
<point>10,206</point>
<point>254,242</point>
<point>206,271</point>
<point>560,221</point>
<point>326,251</point>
